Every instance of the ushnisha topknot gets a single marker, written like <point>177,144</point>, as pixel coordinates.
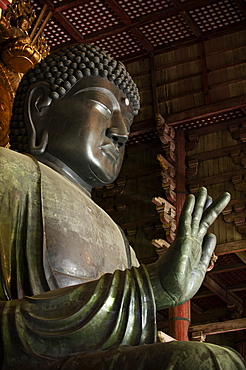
<point>62,69</point>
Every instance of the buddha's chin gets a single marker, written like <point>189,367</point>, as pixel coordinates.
<point>100,178</point>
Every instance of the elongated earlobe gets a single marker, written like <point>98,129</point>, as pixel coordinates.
<point>36,106</point>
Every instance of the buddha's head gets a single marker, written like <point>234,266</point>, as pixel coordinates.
<point>23,23</point>
<point>77,106</point>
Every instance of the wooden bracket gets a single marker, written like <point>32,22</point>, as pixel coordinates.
<point>192,141</point>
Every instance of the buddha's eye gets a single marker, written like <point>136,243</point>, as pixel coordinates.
<point>102,108</point>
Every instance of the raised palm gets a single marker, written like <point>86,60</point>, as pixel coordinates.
<point>179,273</point>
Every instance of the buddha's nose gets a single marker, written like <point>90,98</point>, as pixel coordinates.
<point>117,133</point>
<point>118,138</point>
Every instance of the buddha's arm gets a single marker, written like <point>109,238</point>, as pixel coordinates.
<point>117,309</point>
<point>179,273</point>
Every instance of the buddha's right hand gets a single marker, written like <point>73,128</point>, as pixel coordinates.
<point>179,273</point>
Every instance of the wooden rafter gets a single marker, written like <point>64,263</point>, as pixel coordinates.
<point>213,108</point>
<point>216,179</point>
<point>220,327</point>
<point>127,21</point>
<point>188,19</point>
<point>69,27</point>
<point>231,247</point>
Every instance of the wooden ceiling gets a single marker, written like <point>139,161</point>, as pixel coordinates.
<point>132,29</point>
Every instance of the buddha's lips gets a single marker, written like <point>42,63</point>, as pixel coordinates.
<point>110,150</point>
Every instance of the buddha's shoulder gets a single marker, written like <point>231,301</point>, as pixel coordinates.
<point>15,163</point>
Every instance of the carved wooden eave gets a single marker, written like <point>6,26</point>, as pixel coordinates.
<point>165,207</point>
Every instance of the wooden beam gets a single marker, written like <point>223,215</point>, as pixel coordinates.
<point>219,327</point>
<point>119,11</point>
<point>64,5</point>
<point>191,23</point>
<point>227,268</point>
<point>198,310</point>
<point>178,79</point>
<point>237,288</point>
<point>203,294</point>
<point>222,293</point>
<point>216,179</point>
<point>221,126</point>
<point>217,153</point>
<point>142,39</point>
<point>231,247</point>
<point>150,126</point>
<point>188,19</point>
<point>127,21</point>
<point>208,293</point>
<point>242,256</point>
<point>49,4</point>
<point>203,111</point>
<point>227,65</point>
<point>204,72</point>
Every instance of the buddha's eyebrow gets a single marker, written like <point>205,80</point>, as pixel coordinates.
<point>106,92</point>
<point>102,105</point>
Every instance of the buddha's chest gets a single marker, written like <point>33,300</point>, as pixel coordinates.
<point>82,241</point>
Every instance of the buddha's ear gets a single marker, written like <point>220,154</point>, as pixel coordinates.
<point>36,106</point>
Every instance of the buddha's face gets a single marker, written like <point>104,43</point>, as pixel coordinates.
<point>88,129</point>
<point>23,23</point>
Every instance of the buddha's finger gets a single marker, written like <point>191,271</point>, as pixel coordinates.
<point>201,198</point>
<point>184,227</point>
<point>208,246</point>
<point>212,213</point>
<point>209,201</point>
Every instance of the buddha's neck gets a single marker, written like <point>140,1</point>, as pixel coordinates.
<point>60,167</point>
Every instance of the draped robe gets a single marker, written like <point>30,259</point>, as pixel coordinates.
<point>72,291</point>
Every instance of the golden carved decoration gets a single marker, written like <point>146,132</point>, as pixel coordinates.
<point>22,45</point>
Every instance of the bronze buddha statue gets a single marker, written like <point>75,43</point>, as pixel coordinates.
<point>73,294</point>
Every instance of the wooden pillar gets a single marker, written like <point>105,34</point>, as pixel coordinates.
<point>179,321</point>
<point>179,317</point>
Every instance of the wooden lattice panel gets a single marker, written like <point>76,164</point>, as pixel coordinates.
<point>241,294</point>
<point>86,16</point>
<point>211,120</point>
<point>55,34</point>
<point>231,278</point>
<point>139,8</point>
<point>166,30</point>
<point>206,303</point>
<point>228,259</point>
<point>213,16</point>
<point>120,45</point>
<point>143,138</point>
